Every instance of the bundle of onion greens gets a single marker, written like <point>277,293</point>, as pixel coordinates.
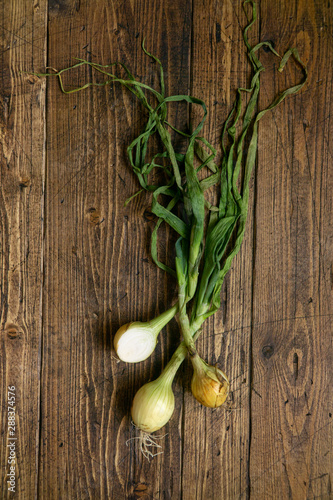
<point>206,245</point>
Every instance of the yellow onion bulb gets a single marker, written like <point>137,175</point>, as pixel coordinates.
<point>135,342</point>
<point>153,405</point>
<point>209,385</point>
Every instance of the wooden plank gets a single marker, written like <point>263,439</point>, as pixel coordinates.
<point>72,275</point>
<point>216,461</point>
<point>98,271</point>
<point>290,455</point>
<point>22,163</point>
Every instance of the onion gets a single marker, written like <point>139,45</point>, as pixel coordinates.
<point>153,405</point>
<point>136,341</point>
<point>209,385</point>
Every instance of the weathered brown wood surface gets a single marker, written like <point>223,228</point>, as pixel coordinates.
<point>75,264</point>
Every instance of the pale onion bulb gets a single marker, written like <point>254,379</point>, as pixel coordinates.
<point>154,403</point>
<point>209,385</point>
<point>136,341</point>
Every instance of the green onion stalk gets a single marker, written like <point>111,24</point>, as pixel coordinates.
<point>204,250</point>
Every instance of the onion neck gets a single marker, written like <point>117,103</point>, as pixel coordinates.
<point>171,368</point>
<point>180,353</point>
<point>189,329</point>
<point>163,319</point>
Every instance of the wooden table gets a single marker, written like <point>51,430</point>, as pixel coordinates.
<point>76,263</point>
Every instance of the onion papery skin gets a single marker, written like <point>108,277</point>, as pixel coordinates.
<point>210,386</point>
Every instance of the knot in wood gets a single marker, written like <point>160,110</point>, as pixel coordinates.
<point>12,330</point>
<point>267,351</point>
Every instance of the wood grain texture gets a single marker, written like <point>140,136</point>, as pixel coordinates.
<point>76,263</point>
<point>292,356</point>
<point>216,463</point>
<point>99,275</point>
<point>22,170</point>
